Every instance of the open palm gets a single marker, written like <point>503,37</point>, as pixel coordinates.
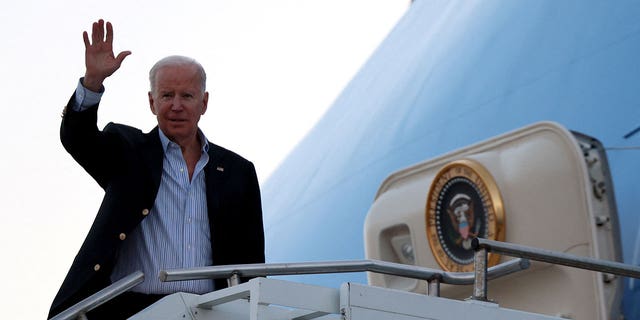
<point>99,58</point>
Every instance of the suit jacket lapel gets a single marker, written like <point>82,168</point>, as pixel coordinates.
<point>214,175</point>
<point>153,154</point>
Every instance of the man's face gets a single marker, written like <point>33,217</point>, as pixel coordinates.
<point>178,101</point>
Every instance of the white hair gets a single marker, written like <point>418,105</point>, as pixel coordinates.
<point>176,61</point>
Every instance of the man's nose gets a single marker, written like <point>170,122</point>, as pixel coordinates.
<point>176,103</point>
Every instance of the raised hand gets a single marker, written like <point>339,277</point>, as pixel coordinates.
<point>99,58</point>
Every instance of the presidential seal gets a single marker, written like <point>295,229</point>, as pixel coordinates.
<point>463,203</point>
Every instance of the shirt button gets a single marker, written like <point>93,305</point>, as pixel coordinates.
<point>96,267</point>
<point>145,212</point>
<point>123,236</point>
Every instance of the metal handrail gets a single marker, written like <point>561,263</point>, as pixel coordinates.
<point>78,310</point>
<point>554,257</point>
<point>483,246</point>
<point>397,269</point>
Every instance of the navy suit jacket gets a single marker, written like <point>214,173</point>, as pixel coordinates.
<point>127,164</point>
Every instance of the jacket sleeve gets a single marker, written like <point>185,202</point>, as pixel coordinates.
<point>95,150</point>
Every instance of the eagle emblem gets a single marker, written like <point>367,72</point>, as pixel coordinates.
<point>462,218</point>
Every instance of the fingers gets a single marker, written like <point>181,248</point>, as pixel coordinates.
<point>85,37</point>
<point>98,38</point>
<point>109,33</point>
<point>97,32</point>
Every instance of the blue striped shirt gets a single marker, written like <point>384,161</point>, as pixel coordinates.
<point>176,232</point>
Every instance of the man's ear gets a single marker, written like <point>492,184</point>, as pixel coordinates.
<point>153,109</point>
<point>205,102</point>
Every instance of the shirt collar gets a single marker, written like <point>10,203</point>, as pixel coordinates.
<point>164,140</point>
